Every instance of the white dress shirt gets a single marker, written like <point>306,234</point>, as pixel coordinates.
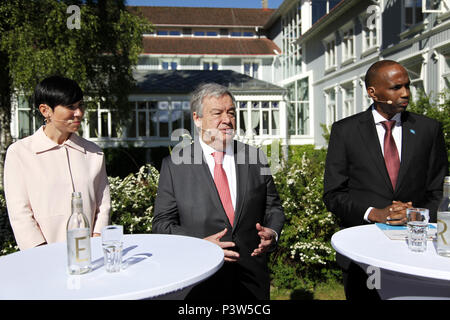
<point>396,134</point>
<point>228,166</point>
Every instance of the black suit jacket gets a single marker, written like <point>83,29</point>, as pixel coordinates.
<point>356,177</point>
<point>188,203</point>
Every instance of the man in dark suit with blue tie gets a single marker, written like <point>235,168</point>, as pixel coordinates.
<point>221,190</point>
<point>382,161</point>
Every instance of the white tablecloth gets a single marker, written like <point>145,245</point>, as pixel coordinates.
<point>157,266</point>
<point>404,274</point>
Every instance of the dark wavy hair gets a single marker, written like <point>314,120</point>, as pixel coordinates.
<point>57,90</point>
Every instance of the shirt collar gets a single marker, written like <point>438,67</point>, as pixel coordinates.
<point>208,150</point>
<point>377,117</point>
<point>42,143</point>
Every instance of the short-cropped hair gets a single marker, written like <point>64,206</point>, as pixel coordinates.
<point>57,90</point>
<point>373,71</point>
<point>205,90</point>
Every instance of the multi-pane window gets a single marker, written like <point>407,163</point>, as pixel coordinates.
<point>169,64</point>
<point>298,108</point>
<point>446,70</point>
<point>370,29</point>
<point>251,68</point>
<point>29,119</point>
<point>348,96</point>
<point>415,76</point>
<point>210,65</point>
<point>291,59</point>
<point>148,119</point>
<point>412,13</point>
<point>348,46</point>
<point>330,54</point>
<point>331,116</point>
<point>258,118</point>
<point>321,7</point>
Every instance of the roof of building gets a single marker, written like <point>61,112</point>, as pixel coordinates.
<point>222,46</point>
<point>185,81</point>
<point>197,16</point>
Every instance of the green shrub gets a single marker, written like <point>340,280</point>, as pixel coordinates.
<point>304,256</point>
<point>132,199</point>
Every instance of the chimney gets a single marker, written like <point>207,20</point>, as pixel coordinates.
<point>264,4</point>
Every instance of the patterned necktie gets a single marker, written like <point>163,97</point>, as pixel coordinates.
<point>221,181</point>
<point>391,157</point>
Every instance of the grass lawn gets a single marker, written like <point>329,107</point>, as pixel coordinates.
<point>325,291</point>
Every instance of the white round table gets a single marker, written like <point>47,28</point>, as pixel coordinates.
<point>403,274</point>
<point>156,266</point>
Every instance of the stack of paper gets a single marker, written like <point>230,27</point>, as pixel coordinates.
<point>400,233</point>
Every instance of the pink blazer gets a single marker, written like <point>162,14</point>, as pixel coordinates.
<point>39,179</point>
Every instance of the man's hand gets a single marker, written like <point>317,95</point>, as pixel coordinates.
<point>267,237</point>
<point>229,255</point>
<point>394,214</point>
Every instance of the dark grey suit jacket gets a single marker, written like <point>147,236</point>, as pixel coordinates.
<point>356,177</point>
<point>188,203</point>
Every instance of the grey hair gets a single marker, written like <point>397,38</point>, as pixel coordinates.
<point>205,90</point>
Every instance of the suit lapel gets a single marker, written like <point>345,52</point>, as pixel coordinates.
<point>370,139</point>
<point>408,146</point>
<point>241,163</point>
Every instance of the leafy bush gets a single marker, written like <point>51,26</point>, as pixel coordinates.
<point>132,199</point>
<point>304,256</point>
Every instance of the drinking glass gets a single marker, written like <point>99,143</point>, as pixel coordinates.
<point>417,226</point>
<point>112,247</point>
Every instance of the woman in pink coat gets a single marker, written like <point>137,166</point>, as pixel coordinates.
<point>42,170</point>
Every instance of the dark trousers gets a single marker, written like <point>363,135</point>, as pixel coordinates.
<point>224,285</point>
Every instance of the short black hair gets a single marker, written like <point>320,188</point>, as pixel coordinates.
<point>57,90</point>
<point>373,70</point>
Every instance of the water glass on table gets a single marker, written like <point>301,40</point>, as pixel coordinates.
<point>112,247</point>
<point>417,226</point>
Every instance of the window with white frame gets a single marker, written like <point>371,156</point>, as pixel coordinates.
<point>331,112</point>
<point>348,44</point>
<point>258,118</point>
<point>148,119</point>
<point>320,8</point>
<point>348,99</point>
<point>446,69</point>
<point>298,107</point>
<point>103,123</point>
<point>415,72</point>
<point>210,64</point>
<point>371,29</point>
<point>412,13</point>
<point>251,68</point>
<point>28,119</point>
<point>330,53</point>
<point>169,64</point>
<point>291,58</point>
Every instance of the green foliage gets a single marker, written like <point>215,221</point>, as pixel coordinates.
<point>132,199</point>
<point>437,108</point>
<point>99,56</point>
<point>304,256</point>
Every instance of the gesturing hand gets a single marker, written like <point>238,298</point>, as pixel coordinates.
<point>267,237</point>
<point>229,255</point>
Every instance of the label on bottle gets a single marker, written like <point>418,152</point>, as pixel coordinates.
<point>79,246</point>
<point>443,230</point>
